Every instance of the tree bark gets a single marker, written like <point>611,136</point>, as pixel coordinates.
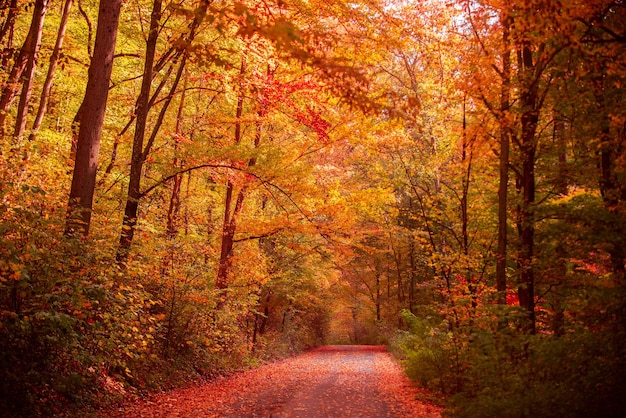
<point>174,206</point>
<point>54,60</point>
<point>378,298</point>
<point>94,106</point>
<point>138,154</point>
<point>85,16</point>
<point>613,191</point>
<point>397,259</point>
<point>41,7</point>
<point>412,276</point>
<point>230,219</point>
<point>229,228</point>
<point>558,316</point>
<point>467,156</point>
<point>503,188</point>
<point>8,27</point>
<point>24,60</point>
<point>528,147</point>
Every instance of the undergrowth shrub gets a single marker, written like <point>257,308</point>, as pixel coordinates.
<point>58,304</point>
<point>428,351</point>
<point>79,332</point>
<point>487,370</point>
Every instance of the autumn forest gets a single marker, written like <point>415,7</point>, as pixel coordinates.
<point>194,187</point>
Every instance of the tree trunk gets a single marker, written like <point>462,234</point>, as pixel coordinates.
<point>413,275</point>
<point>526,286</point>
<point>230,219</point>
<point>503,187</point>
<point>260,320</point>
<point>94,106</point>
<point>229,228</point>
<point>174,206</point>
<point>467,155</point>
<point>378,298</point>
<point>138,155</point>
<point>558,316</point>
<point>41,7</point>
<point>7,28</point>
<point>397,258</point>
<point>528,147</point>
<point>228,236</point>
<point>25,60</point>
<point>85,16</point>
<point>54,60</point>
<point>613,191</point>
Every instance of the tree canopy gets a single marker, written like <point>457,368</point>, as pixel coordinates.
<point>191,186</point>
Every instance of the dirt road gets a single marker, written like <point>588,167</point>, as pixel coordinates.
<point>333,381</point>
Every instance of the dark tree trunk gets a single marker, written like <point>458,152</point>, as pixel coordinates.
<point>85,16</point>
<point>174,206</point>
<point>260,320</point>
<point>41,7</point>
<point>138,154</point>
<point>6,29</point>
<point>25,61</point>
<point>378,298</point>
<point>230,215</point>
<point>528,147</point>
<point>526,286</point>
<point>467,155</point>
<point>397,259</point>
<point>93,109</point>
<point>413,276</point>
<point>228,235</point>
<point>229,227</point>
<point>611,150</point>
<point>503,188</point>
<point>558,317</point>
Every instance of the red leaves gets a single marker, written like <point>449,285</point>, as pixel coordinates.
<point>288,97</point>
<point>511,298</point>
<point>249,178</point>
<point>314,120</point>
<point>321,381</point>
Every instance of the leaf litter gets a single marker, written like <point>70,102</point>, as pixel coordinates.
<point>331,381</point>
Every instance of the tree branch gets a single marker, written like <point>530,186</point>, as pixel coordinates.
<point>265,235</point>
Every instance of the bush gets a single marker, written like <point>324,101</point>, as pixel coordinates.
<point>489,371</point>
<point>78,332</point>
<point>429,353</point>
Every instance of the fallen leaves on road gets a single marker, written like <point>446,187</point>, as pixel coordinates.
<point>333,381</point>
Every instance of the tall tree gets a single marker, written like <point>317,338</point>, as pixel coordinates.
<point>24,61</point>
<point>80,202</point>
<point>139,155</point>
<point>503,188</point>
<point>54,61</point>
<point>232,205</point>
<point>178,55</point>
<point>41,8</point>
<point>529,72</point>
<point>9,12</point>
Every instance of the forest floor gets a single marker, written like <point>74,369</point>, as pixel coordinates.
<point>332,381</point>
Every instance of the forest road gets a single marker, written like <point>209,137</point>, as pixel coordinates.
<point>332,381</point>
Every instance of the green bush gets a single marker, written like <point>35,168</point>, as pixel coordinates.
<point>429,353</point>
<point>490,370</point>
